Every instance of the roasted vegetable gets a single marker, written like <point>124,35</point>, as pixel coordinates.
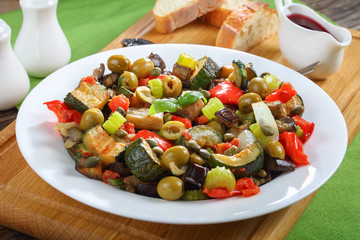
<point>82,154</point>
<point>97,141</point>
<point>142,161</point>
<point>195,175</point>
<point>205,71</point>
<point>157,61</point>
<point>87,95</point>
<point>142,120</point>
<point>227,117</point>
<point>182,72</point>
<point>239,77</point>
<point>244,163</point>
<point>205,136</point>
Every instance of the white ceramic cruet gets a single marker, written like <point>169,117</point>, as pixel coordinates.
<point>41,45</point>
<point>14,81</point>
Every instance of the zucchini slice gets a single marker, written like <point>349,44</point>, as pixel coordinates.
<point>205,136</point>
<point>205,71</point>
<point>245,163</point>
<point>97,141</point>
<point>240,74</point>
<point>142,161</point>
<point>87,95</point>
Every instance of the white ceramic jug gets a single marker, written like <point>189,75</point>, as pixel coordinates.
<point>302,46</point>
<point>14,82</point>
<point>41,45</point>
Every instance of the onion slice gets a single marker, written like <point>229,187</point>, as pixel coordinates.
<point>265,120</point>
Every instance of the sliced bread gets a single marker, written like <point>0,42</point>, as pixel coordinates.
<point>219,15</point>
<point>248,26</point>
<point>172,14</point>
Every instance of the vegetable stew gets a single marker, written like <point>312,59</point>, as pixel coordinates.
<point>191,131</point>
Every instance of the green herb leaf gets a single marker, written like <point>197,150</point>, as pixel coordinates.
<point>164,105</point>
<point>190,97</point>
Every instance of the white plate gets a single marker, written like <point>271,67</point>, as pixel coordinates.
<point>44,151</point>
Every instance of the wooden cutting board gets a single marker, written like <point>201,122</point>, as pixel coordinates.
<point>29,205</point>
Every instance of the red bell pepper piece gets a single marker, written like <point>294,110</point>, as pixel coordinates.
<point>243,186</point>
<point>128,127</point>
<point>307,127</point>
<point>222,147</point>
<point>202,120</point>
<point>293,148</point>
<point>63,113</point>
<point>145,81</point>
<point>108,174</point>
<point>119,101</point>
<point>284,94</point>
<point>146,134</point>
<point>226,92</point>
<point>185,121</point>
<point>187,135</point>
<point>89,79</point>
<point>221,192</point>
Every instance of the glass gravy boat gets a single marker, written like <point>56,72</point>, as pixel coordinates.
<point>302,46</point>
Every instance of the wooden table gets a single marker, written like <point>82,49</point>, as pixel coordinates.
<point>40,205</point>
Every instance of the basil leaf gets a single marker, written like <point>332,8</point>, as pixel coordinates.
<point>190,97</point>
<point>164,105</point>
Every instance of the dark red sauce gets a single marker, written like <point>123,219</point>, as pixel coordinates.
<point>306,22</point>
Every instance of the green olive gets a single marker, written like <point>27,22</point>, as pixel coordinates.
<point>172,86</point>
<point>260,86</point>
<point>246,100</point>
<point>143,94</point>
<point>170,188</point>
<point>129,80</point>
<point>177,154</point>
<point>142,67</point>
<point>274,148</point>
<point>172,130</point>
<point>90,118</point>
<point>118,63</point>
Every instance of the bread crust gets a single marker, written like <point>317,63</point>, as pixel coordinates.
<point>184,15</point>
<point>237,20</point>
<point>220,14</point>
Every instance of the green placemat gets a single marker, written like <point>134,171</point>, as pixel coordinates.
<point>334,212</point>
<point>90,25</point>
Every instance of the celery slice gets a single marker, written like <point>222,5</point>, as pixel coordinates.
<point>187,61</point>
<point>259,135</point>
<point>114,122</point>
<point>272,81</point>
<point>212,107</point>
<point>220,177</point>
<point>156,87</point>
